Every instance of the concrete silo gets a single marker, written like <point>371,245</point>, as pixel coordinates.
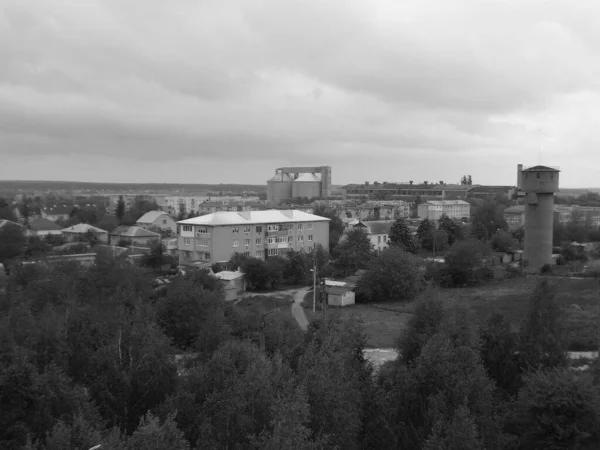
<point>307,185</point>
<point>539,183</point>
<point>279,187</point>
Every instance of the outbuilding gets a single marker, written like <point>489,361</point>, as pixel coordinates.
<point>339,293</point>
<point>233,283</point>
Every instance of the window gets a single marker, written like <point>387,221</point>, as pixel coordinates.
<point>202,230</point>
<point>258,241</point>
<point>246,253</point>
<point>259,229</point>
<point>164,221</point>
<point>300,227</point>
<point>246,242</point>
<point>310,226</point>
<point>236,243</point>
<point>203,242</point>
<point>186,228</point>
<point>247,229</point>
<point>310,238</point>
<point>235,230</point>
<point>300,238</point>
<point>281,239</point>
<point>273,252</point>
<point>272,227</point>
<point>379,239</point>
<point>259,253</point>
<point>271,240</point>
<point>187,241</point>
<point>290,239</point>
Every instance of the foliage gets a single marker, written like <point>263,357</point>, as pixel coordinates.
<point>558,409</point>
<point>181,212</point>
<point>460,431</point>
<point>354,252</point>
<point>120,209</point>
<point>437,241</point>
<point>6,212</point>
<point>423,324</point>
<point>151,434</point>
<point>400,236</point>
<point>156,257</point>
<point>503,242</point>
<point>393,275</point>
<point>12,242</point>
<point>108,223</point>
<point>518,234</point>
<point>452,229</point>
<point>425,229</point>
<point>488,219</point>
<point>463,259</point>
<point>336,226</point>
<point>541,345</point>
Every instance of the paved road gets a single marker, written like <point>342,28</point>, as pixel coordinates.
<point>298,311</point>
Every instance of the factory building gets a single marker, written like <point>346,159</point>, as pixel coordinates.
<point>303,182</point>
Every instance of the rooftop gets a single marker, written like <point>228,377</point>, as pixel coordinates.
<point>253,217</point>
<point>44,225</point>
<point>447,202</point>
<point>226,275</point>
<point>541,169</point>
<point>379,226</point>
<point>150,217</point>
<point>84,228</point>
<point>517,209</point>
<point>4,223</point>
<point>126,231</point>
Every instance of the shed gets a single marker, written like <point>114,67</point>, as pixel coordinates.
<point>338,293</point>
<point>233,283</point>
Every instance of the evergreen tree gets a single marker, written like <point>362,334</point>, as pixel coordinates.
<point>354,252</point>
<point>452,228</point>
<point>120,210</point>
<point>426,228</point>
<point>401,236</point>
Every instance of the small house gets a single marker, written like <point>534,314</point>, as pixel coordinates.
<point>134,236</point>
<point>339,293</point>
<point>233,283</point>
<point>76,232</point>
<point>44,227</point>
<point>159,220</point>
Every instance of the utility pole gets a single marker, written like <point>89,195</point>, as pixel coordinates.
<point>324,299</point>
<point>262,328</point>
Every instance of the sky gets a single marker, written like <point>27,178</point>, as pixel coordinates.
<point>209,91</point>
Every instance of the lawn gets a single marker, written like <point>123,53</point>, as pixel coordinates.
<point>385,321</point>
<point>265,303</point>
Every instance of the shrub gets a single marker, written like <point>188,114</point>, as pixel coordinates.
<point>546,269</point>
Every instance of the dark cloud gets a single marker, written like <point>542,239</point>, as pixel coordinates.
<point>307,81</point>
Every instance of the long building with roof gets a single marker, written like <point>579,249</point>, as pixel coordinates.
<point>216,237</point>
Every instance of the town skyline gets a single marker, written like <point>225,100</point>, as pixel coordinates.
<point>225,91</point>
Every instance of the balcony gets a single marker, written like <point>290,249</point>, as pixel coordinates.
<point>277,233</point>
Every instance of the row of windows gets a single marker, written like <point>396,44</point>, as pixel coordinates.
<point>247,229</point>
<point>199,242</point>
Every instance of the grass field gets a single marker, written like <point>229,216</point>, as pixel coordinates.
<point>265,303</point>
<point>385,321</point>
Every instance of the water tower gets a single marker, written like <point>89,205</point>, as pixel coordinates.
<point>539,183</point>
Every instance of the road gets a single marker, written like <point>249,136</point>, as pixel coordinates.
<point>298,310</point>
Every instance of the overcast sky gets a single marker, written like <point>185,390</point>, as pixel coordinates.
<point>208,91</point>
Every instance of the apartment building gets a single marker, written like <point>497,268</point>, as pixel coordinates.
<point>434,209</point>
<point>215,237</point>
<point>515,216</point>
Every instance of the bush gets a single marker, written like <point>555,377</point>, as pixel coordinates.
<point>463,259</point>
<point>546,269</point>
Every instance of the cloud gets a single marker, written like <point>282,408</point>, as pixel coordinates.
<point>369,86</point>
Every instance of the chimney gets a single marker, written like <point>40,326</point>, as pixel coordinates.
<point>519,176</point>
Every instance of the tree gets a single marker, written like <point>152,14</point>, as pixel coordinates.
<point>354,252</point>
<point>469,180</point>
<point>558,409</point>
<point>401,236</point>
<point>156,257</point>
<point>459,432</point>
<point>6,211</point>
<point>336,226</point>
<point>256,273</point>
<point>452,228</point>
<point>422,325</point>
<point>503,242</point>
<point>12,243</point>
<point>120,211</point>
<point>541,345</point>
<point>425,229</point>
<point>392,276</point>
<point>151,434</point>
<point>297,267</point>
<point>518,235</point>
<point>181,214</point>
<point>463,259</point>
<point>488,219</point>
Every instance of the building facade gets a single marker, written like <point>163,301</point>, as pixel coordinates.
<point>212,238</point>
<point>157,219</point>
<point>434,209</point>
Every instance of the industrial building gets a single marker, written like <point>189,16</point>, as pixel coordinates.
<point>299,182</point>
<point>434,209</point>
<point>216,237</point>
<point>539,184</point>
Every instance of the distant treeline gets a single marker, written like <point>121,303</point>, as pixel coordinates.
<point>80,185</point>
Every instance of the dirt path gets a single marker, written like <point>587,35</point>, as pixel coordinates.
<point>297,310</point>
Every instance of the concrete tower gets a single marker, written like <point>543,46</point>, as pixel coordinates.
<point>539,183</point>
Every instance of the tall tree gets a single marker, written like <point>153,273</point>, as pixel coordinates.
<point>120,210</point>
<point>393,275</point>
<point>426,228</point>
<point>336,226</point>
<point>463,259</point>
<point>400,236</point>
<point>469,180</point>
<point>354,252</point>
<point>488,219</point>
<point>451,227</point>
<point>12,243</point>
<point>151,434</point>
<point>182,212</point>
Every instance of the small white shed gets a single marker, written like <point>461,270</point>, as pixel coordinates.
<point>338,293</point>
<point>234,283</point>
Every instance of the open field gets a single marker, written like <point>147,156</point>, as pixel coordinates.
<point>579,297</point>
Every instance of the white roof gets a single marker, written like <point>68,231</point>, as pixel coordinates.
<point>447,202</point>
<point>228,275</point>
<point>84,228</point>
<point>150,217</point>
<point>335,283</point>
<point>253,217</point>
